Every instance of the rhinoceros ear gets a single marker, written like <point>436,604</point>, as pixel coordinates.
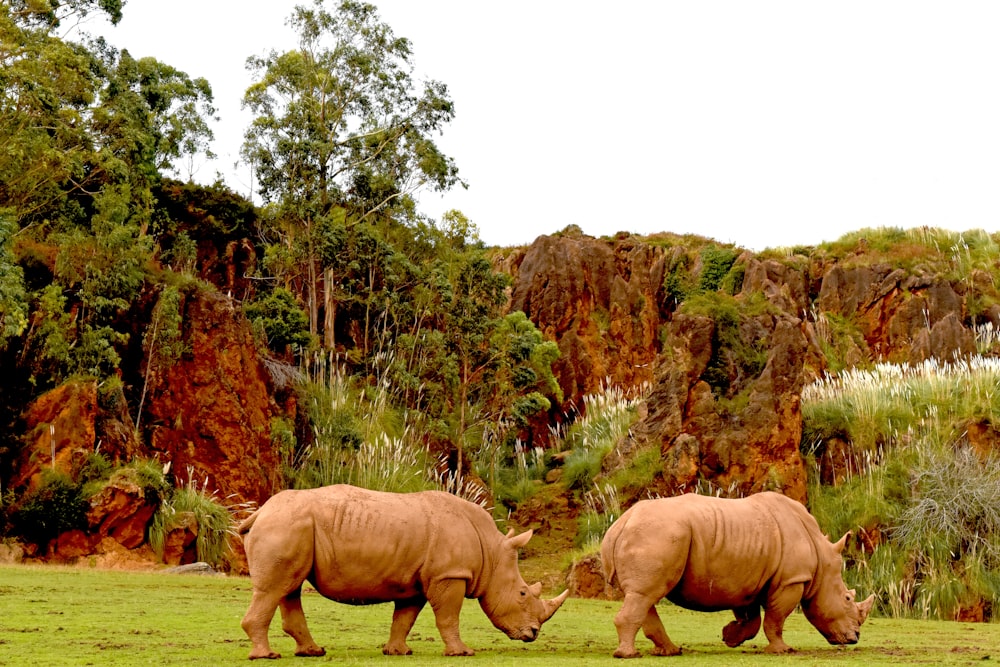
<point>839,546</point>
<point>520,540</point>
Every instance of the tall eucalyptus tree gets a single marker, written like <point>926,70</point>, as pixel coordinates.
<point>342,135</point>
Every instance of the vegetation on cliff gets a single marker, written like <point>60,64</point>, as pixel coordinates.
<point>335,334</point>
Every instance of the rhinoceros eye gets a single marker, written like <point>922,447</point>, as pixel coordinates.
<point>523,592</point>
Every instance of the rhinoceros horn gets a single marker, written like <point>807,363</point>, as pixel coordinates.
<point>865,607</point>
<point>551,606</point>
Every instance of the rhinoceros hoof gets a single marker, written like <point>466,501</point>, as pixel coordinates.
<point>627,654</point>
<point>778,648</point>
<point>459,651</point>
<point>311,652</point>
<point>665,651</point>
<point>271,655</point>
<point>397,650</point>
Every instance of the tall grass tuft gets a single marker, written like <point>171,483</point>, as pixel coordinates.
<point>214,519</point>
<point>606,418</point>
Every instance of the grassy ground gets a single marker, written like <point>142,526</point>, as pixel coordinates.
<point>61,616</point>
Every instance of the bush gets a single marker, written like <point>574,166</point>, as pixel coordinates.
<point>281,319</point>
<point>53,508</point>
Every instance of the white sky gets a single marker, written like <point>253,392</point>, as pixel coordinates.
<point>764,123</point>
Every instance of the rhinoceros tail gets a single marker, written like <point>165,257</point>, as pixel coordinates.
<point>247,524</point>
<point>608,553</point>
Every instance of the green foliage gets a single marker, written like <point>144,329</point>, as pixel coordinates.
<point>738,351</point>
<point>55,507</point>
<point>164,340</point>
<point>149,475</point>
<point>281,319</point>
<point>602,509</point>
<point>605,420</point>
<point>716,265</point>
<point>840,338</point>
<point>513,484</point>
<point>13,296</point>
<point>357,438</point>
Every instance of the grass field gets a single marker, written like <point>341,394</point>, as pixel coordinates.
<point>64,616</point>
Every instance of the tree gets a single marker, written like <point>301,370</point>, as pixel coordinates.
<point>86,131</point>
<point>340,126</point>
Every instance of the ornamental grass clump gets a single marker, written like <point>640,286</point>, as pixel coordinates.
<point>867,406</point>
<point>606,418</point>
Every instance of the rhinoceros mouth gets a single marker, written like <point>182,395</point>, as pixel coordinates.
<point>525,634</point>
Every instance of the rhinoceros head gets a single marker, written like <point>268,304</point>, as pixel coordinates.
<point>513,606</point>
<point>833,609</point>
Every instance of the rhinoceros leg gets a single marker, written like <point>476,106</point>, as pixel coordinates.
<point>403,617</point>
<point>653,628</point>
<point>746,626</point>
<point>446,599</point>
<point>293,622</point>
<point>637,611</point>
<point>779,605</point>
<point>256,622</point>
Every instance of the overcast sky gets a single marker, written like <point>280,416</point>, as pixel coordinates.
<point>760,123</point>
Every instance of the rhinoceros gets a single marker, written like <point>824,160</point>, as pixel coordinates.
<point>364,547</point>
<point>711,554</point>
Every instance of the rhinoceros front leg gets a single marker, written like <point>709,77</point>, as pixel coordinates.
<point>779,606</point>
<point>746,626</point>
<point>293,622</point>
<point>446,599</point>
<point>403,617</point>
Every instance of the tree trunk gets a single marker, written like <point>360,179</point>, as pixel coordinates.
<point>329,310</point>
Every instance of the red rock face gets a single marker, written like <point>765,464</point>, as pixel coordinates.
<point>209,414</point>
<point>599,300</point>
<point>64,421</point>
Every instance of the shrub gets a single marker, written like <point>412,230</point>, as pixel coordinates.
<point>55,507</point>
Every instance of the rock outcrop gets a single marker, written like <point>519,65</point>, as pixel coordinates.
<point>209,413</point>
<point>600,301</point>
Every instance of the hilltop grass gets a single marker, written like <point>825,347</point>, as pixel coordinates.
<point>61,616</point>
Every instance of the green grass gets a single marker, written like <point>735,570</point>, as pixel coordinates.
<point>62,616</point>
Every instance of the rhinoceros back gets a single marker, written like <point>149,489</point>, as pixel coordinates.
<point>368,546</point>
<point>708,553</point>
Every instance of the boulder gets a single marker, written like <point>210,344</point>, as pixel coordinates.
<point>180,540</point>
<point>119,511</point>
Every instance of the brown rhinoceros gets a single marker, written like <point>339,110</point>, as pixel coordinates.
<point>710,554</point>
<point>364,547</point>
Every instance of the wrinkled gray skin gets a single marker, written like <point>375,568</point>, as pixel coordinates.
<point>364,547</point>
<point>709,554</point>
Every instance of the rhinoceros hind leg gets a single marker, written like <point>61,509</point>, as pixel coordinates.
<point>746,626</point>
<point>633,615</point>
<point>403,617</point>
<point>293,622</point>
<point>256,621</point>
<point>653,628</point>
